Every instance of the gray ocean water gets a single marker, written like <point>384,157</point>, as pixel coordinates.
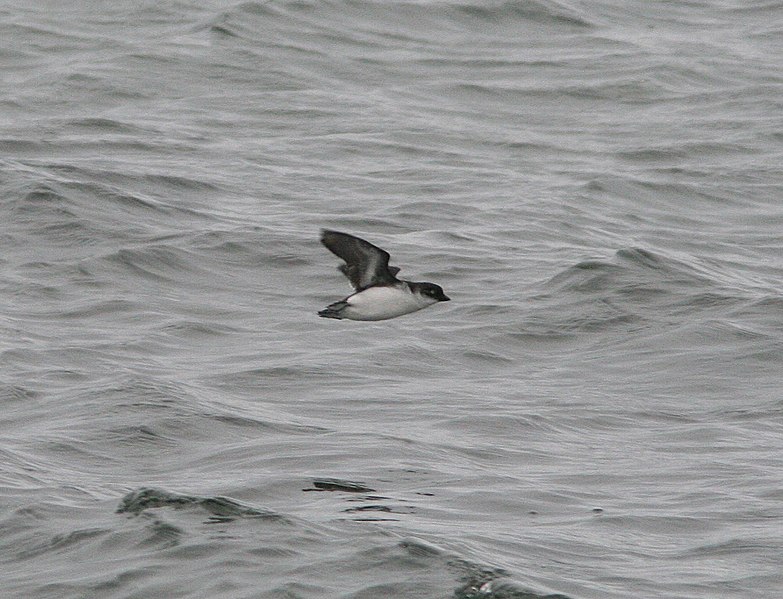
<point>597,413</point>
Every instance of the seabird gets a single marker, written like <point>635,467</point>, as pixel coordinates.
<point>379,294</point>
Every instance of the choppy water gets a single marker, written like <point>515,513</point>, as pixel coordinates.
<point>598,413</point>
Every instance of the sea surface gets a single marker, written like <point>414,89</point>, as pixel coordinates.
<point>597,413</point>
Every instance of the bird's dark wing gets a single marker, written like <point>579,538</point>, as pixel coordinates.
<point>365,265</point>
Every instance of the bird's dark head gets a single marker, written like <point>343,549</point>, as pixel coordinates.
<point>432,291</point>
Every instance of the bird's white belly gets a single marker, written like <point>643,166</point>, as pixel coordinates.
<point>380,303</point>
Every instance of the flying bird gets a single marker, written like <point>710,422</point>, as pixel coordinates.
<point>379,294</point>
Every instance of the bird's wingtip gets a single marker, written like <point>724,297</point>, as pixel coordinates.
<point>326,233</point>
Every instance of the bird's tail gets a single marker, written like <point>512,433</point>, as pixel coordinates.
<point>334,310</point>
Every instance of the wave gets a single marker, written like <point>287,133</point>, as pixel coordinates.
<point>219,509</point>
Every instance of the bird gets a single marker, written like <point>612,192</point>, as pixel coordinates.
<point>378,293</point>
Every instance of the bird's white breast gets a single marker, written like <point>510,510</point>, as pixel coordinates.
<point>380,303</point>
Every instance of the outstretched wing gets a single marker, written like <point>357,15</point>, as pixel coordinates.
<point>365,265</point>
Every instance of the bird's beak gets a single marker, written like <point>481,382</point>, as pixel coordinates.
<point>445,298</point>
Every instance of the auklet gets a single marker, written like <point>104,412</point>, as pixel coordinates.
<point>379,294</point>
